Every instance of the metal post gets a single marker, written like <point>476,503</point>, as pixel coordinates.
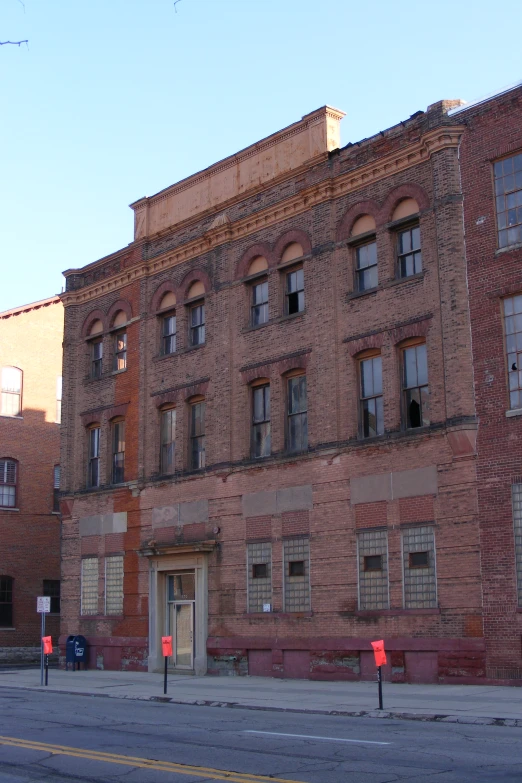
<point>46,669</point>
<point>165,677</point>
<point>379,680</point>
<point>41,651</point>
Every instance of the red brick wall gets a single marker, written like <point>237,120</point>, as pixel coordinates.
<point>493,131</point>
<point>31,339</point>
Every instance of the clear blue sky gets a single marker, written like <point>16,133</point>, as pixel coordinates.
<point>117,99</point>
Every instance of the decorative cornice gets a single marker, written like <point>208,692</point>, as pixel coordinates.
<point>412,155</point>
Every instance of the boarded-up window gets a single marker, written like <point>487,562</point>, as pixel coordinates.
<point>259,581</point>
<point>516,491</point>
<point>89,586</point>
<point>296,574</point>
<point>372,551</point>
<point>114,584</point>
<point>420,577</point>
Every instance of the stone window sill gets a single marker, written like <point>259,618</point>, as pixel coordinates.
<point>102,617</point>
<point>7,629</point>
<point>359,294</point>
<point>290,316</point>
<point>9,508</point>
<point>7,416</point>
<point>117,372</point>
<point>393,612</point>
<point>506,249</point>
<point>513,412</point>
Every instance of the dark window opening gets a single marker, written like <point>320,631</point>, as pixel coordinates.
<point>118,452</point>
<point>260,570</point>
<point>295,301</point>
<point>366,266</point>
<point>259,307</point>
<point>419,559</point>
<point>168,441</point>
<point>96,358</point>
<point>297,432</point>
<point>51,587</point>
<point>197,435</point>
<point>296,568</point>
<point>373,563</point>
<point>93,478</point>
<point>197,324</point>
<point>409,253</point>
<point>6,602</point>
<point>372,413</point>
<point>168,337</point>
<point>415,389</point>
<point>261,441</point>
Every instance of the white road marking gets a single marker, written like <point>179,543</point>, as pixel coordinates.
<point>308,736</point>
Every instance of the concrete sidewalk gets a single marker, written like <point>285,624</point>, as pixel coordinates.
<point>449,703</point>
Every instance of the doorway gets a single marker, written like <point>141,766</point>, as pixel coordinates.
<point>181,598</point>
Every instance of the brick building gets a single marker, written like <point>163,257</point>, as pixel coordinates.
<point>491,163</point>
<point>30,411</point>
<point>269,421</point>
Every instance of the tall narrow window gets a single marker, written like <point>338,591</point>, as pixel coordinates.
<point>114,584</point>
<point>259,307</point>
<point>415,386</point>
<point>8,478</point>
<point>197,324</point>
<point>197,435</point>
<point>6,601</point>
<point>96,358</point>
<point>56,488</point>
<point>118,452</point>
<point>409,251</point>
<point>89,586</point>
<point>297,424</point>
<point>516,496</point>
<point>508,194</point>
<point>259,575</point>
<point>420,579</point>
<point>513,335</point>
<point>11,401</point>
<point>168,335</point>
<point>372,419</point>
<point>296,575</point>
<point>366,266</point>
<point>168,440</point>
<point>120,351</point>
<point>294,294</point>
<point>372,555</point>
<point>93,478</point>
<point>51,588</point>
<point>58,415</point>
<point>261,441</point>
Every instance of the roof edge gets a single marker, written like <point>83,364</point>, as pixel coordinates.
<point>485,99</point>
<point>31,306</point>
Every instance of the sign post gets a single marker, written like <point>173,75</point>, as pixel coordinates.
<point>166,644</point>
<point>43,606</point>
<point>380,660</point>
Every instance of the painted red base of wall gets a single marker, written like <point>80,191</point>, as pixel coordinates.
<point>119,653</point>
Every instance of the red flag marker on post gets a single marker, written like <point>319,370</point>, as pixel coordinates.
<point>380,660</point>
<point>47,649</point>
<point>166,644</point>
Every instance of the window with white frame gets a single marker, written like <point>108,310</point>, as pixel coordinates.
<point>8,481</point>
<point>512,306</point>
<point>58,414</point>
<point>11,399</point>
<point>114,584</point>
<point>89,586</point>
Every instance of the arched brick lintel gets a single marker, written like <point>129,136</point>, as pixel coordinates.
<point>194,276</point>
<point>406,332</point>
<point>169,398</point>
<point>294,235</point>
<point>167,287</point>
<point>115,308</point>
<point>117,410</point>
<point>368,207</point>
<point>259,249</point>
<point>196,390</point>
<point>91,418</point>
<point>408,190</point>
<point>95,315</point>
<point>372,341</point>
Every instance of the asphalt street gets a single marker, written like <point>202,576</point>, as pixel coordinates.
<point>53,738</point>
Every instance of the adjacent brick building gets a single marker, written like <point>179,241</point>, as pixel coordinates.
<point>491,164</point>
<point>30,412</point>
<point>269,419</point>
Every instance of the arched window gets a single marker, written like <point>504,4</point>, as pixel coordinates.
<point>96,349</point>
<point>371,413</point>
<point>8,482</point>
<point>415,389</point>
<point>120,342</point>
<point>118,451</point>
<point>168,323</point>
<point>259,291</point>
<point>409,256</point>
<point>197,313</point>
<point>168,440</point>
<point>260,433</point>
<point>11,403</point>
<point>197,433</point>
<point>365,249</point>
<point>93,458</point>
<point>297,412</point>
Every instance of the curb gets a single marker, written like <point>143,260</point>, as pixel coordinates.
<point>434,717</point>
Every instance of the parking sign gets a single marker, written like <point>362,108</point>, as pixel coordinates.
<point>43,604</point>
